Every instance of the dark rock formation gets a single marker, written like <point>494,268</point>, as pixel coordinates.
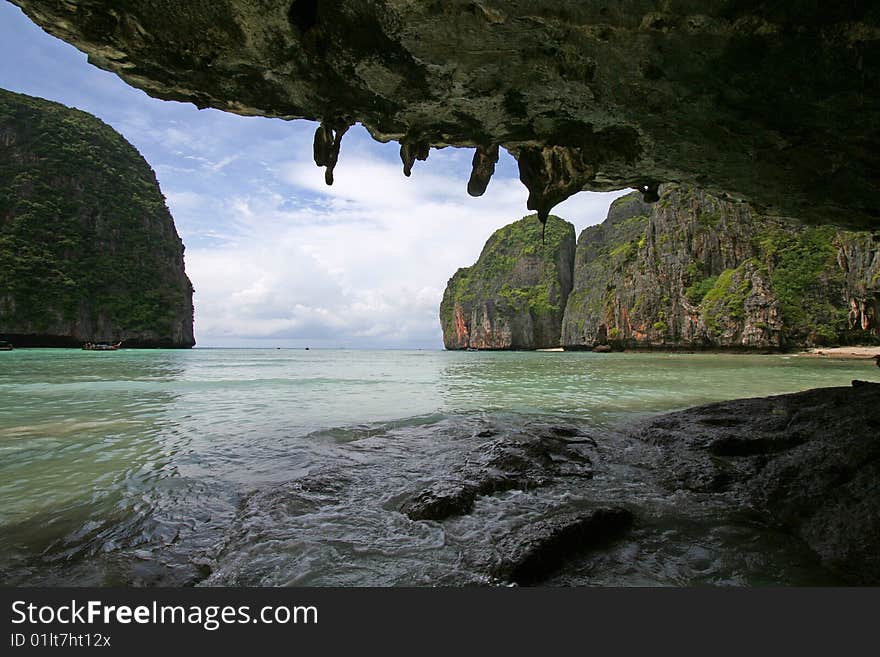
<point>535,458</point>
<point>696,271</point>
<point>777,490</point>
<point>511,463</point>
<point>515,294</point>
<point>88,249</point>
<point>777,103</point>
<point>543,547</point>
<point>808,462</point>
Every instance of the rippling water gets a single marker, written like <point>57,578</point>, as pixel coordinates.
<point>287,467</point>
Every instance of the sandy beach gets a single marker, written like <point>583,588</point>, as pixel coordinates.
<point>857,353</point>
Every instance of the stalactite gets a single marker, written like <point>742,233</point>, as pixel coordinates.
<point>410,151</point>
<point>483,168</point>
<point>552,174</point>
<point>328,139</point>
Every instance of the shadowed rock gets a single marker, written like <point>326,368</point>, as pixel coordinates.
<point>328,140</point>
<point>810,462</point>
<point>650,192</point>
<point>752,98</point>
<point>412,151</point>
<point>541,548</point>
<point>519,463</point>
<point>482,169</point>
<point>551,174</point>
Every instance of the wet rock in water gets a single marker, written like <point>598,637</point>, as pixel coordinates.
<point>541,548</point>
<point>808,462</point>
<point>569,436</point>
<point>455,498</point>
<point>520,463</point>
<point>565,432</point>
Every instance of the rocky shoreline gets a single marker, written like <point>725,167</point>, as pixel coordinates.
<point>74,342</point>
<point>801,468</point>
<point>772,491</point>
<point>807,463</point>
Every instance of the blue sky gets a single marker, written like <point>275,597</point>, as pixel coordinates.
<point>277,258</point>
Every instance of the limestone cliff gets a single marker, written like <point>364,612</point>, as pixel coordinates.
<point>88,249</point>
<point>515,294</point>
<point>694,270</point>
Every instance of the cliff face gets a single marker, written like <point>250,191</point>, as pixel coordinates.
<point>859,257</point>
<point>696,271</point>
<point>88,249</point>
<point>754,98</point>
<point>515,294</point>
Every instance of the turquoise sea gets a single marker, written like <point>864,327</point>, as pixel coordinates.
<point>287,467</point>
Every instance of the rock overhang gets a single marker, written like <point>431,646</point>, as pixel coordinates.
<point>777,104</point>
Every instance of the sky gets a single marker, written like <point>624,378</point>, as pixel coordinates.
<point>277,258</point>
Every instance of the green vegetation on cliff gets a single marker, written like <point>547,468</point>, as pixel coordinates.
<point>691,270</point>
<point>513,297</point>
<point>604,250</point>
<point>807,282</point>
<point>694,270</point>
<point>88,249</point>
<point>698,290</point>
<point>725,300</point>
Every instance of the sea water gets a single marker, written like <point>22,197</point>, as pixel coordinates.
<point>288,467</point>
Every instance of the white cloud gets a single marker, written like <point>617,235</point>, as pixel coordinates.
<point>363,262</point>
<point>223,163</point>
<point>184,201</point>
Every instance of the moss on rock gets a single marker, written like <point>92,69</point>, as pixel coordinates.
<point>694,270</point>
<point>514,296</point>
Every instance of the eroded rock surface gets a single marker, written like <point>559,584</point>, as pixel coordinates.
<point>514,296</point>
<point>544,546</point>
<point>523,462</point>
<point>697,271</point>
<point>808,462</point>
<point>776,103</point>
<point>791,479</point>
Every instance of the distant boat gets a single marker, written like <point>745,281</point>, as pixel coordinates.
<point>101,346</point>
<point>5,346</point>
